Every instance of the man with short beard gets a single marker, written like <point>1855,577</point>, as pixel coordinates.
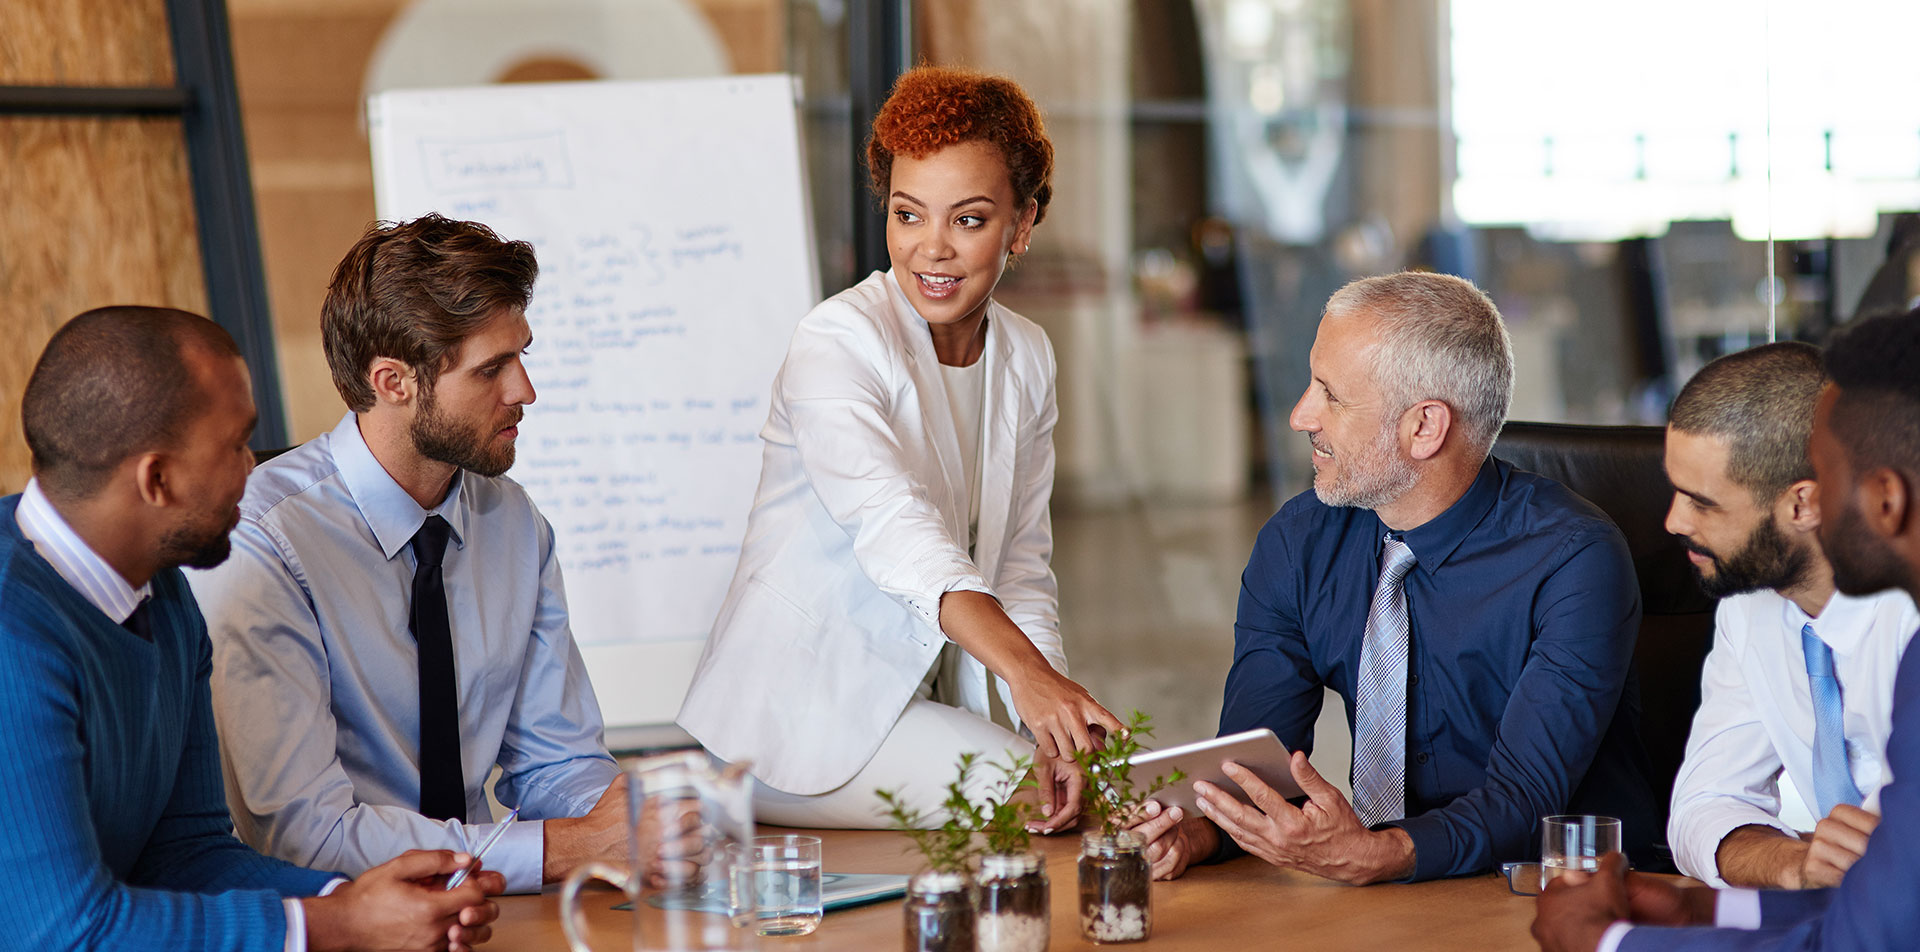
<point>1865,449</point>
<point>1478,620</point>
<point>393,624</point>
<point>1800,679</point>
<point>116,834</point>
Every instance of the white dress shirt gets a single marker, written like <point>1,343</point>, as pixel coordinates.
<point>106,589</point>
<point>1756,713</point>
<point>316,678</point>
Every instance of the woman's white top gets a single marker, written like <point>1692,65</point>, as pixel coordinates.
<point>860,524</point>
<point>966,391</point>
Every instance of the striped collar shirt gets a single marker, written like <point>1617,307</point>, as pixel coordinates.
<point>106,589</point>
<point>89,574</point>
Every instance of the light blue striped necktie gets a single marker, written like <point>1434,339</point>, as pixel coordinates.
<point>1832,778</point>
<point>1380,721</point>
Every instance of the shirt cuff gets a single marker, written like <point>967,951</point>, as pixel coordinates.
<point>519,856</point>
<point>297,916</point>
<point>1617,933</point>
<point>296,925</point>
<point>960,578</point>
<point>1697,847</point>
<point>1431,858</point>
<point>1737,909</point>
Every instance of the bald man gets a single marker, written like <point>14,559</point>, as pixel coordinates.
<point>117,834</point>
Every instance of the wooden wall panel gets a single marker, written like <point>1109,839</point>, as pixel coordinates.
<point>300,66</point>
<point>85,43</point>
<point>92,212</point>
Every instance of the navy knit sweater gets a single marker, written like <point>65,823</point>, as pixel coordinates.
<point>116,833</point>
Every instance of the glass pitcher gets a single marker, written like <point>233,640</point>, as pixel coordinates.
<point>687,826</point>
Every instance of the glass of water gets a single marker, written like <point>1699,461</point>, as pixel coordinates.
<point>782,875</point>
<point>1575,842</point>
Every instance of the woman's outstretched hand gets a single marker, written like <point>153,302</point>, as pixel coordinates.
<point>1061,714</point>
<point>1063,718</point>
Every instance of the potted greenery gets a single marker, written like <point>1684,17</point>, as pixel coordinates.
<point>1007,906</point>
<point>940,899</point>
<point>1014,898</point>
<point>1115,878</point>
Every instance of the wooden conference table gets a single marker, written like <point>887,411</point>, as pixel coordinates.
<point>1234,905</point>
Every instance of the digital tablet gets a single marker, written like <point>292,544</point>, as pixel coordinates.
<point>1257,750</point>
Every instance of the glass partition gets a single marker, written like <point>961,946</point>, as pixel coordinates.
<point>1680,182</point>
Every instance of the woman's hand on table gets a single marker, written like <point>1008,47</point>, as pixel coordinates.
<point>1059,784</point>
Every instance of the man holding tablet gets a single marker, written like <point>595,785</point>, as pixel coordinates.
<point>1478,620</point>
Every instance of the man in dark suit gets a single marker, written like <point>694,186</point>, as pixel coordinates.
<point>1866,459</point>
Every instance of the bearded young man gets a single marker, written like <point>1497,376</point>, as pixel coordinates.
<point>392,625</point>
<point>1800,679</point>
<point>1865,448</point>
<point>1478,620</point>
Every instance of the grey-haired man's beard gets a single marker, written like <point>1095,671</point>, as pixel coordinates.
<point>1768,559</point>
<point>438,436</point>
<point>1375,477</point>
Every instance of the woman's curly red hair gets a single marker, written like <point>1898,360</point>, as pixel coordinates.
<point>932,107</point>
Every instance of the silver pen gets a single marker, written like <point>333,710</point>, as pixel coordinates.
<point>485,845</point>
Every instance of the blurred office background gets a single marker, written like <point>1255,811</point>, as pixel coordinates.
<point>1640,185</point>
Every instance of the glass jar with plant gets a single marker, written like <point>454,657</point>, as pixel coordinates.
<point>940,907</point>
<point>1015,900</point>
<point>1115,878</point>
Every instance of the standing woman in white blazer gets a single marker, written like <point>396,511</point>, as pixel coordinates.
<point>894,603</point>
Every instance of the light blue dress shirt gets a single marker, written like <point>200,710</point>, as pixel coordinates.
<point>316,685</point>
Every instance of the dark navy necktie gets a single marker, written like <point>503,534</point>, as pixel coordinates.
<point>141,621</point>
<point>443,785</point>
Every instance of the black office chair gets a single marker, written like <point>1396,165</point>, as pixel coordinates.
<point>1619,469</point>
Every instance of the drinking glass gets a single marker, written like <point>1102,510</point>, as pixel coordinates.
<point>1566,843</point>
<point>779,877</point>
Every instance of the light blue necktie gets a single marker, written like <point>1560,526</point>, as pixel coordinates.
<point>1832,779</point>
<point>1380,721</point>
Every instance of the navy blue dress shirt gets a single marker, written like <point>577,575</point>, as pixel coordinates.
<point>1524,610</point>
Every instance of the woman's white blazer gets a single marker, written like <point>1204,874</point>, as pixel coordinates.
<point>858,527</point>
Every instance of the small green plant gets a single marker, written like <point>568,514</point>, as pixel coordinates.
<point>1110,795</point>
<point>1001,819</point>
<point>1004,818</point>
<point>948,847</point>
